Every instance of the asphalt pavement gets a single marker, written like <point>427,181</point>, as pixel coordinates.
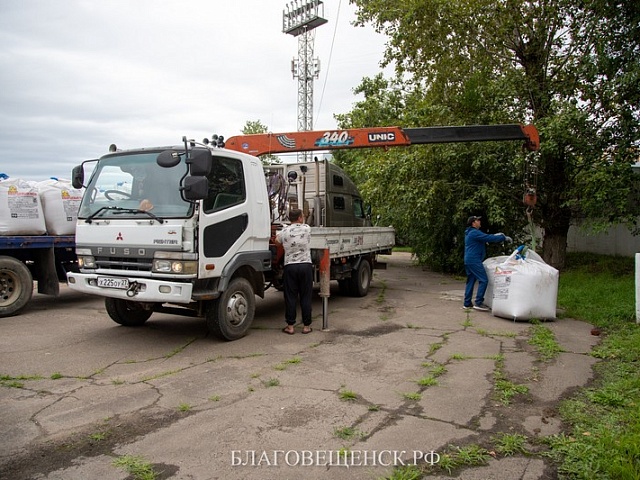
<point>400,378</point>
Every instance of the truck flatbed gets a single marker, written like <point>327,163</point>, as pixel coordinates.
<point>347,241</point>
<point>25,258</point>
<point>37,241</point>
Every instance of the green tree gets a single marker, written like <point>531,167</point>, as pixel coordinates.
<point>252,127</point>
<point>571,68</point>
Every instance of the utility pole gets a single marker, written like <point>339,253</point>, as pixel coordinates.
<point>300,18</point>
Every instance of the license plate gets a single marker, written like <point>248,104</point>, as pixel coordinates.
<point>109,282</point>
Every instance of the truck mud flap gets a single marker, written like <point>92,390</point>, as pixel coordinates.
<point>379,265</point>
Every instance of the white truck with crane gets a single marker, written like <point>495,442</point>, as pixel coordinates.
<point>189,229</point>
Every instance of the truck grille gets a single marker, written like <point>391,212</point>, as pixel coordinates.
<point>125,264</point>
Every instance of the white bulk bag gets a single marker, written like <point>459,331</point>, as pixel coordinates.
<point>521,287</point>
<point>60,202</point>
<point>20,208</point>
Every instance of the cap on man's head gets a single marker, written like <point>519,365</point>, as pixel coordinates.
<point>472,219</point>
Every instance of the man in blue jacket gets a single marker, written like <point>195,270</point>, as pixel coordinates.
<point>474,252</point>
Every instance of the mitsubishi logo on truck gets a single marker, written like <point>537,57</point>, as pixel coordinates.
<point>119,237</point>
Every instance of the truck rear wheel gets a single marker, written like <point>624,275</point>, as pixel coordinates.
<point>16,286</point>
<point>231,315</point>
<point>124,312</point>
<point>361,279</point>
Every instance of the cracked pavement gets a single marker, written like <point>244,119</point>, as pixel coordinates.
<point>198,408</point>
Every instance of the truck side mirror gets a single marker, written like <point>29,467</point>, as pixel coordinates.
<point>168,159</point>
<point>77,176</point>
<point>367,211</point>
<point>195,188</point>
<point>200,162</point>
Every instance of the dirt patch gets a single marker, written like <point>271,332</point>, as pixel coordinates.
<point>92,441</point>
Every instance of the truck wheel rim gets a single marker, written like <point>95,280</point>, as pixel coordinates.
<point>364,278</point>
<point>9,288</point>
<point>237,309</point>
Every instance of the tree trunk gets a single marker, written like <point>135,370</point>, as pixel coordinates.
<point>554,249</point>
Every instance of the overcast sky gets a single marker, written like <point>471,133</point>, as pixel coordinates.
<point>78,75</point>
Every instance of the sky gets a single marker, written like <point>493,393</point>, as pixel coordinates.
<point>79,75</point>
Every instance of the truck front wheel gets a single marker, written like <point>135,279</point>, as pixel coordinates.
<point>16,286</point>
<point>361,279</point>
<point>231,315</point>
<point>124,312</point>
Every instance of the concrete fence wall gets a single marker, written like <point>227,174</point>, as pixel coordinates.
<point>616,241</point>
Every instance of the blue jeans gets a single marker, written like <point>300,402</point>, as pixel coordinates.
<point>475,271</point>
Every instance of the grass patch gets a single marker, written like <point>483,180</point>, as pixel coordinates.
<point>458,457</point>
<point>98,436</point>
<point>381,294</point>
<point>348,395</point>
<point>272,382</point>
<point>347,433</point>
<point>406,472</point>
<point>604,436</point>
<point>137,467</point>
<point>174,352</point>
<point>509,444</point>
<point>17,382</point>
<point>160,375</point>
<point>184,407</point>
<point>506,390</point>
<point>428,381</point>
<point>545,342</point>
<point>599,289</point>
<point>459,356</point>
<point>412,396</point>
<point>453,458</point>
<point>286,363</point>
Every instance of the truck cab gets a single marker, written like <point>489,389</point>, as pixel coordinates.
<point>325,193</point>
<point>182,226</point>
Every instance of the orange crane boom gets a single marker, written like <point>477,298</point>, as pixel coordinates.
<point>271,143</point>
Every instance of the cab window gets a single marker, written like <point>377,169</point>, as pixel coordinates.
<point>226,185</point>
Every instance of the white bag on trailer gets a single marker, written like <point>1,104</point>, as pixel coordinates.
<point>60,202</point>
<point>521,287</point>
<point>20,208</point>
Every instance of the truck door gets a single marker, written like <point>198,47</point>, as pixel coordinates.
<point>225,224</point>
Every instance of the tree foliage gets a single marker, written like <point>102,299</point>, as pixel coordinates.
<point>571,68</point>
<point>256,126</point>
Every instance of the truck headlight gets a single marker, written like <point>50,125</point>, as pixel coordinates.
<point>87,261</point>
<point>184,267</point>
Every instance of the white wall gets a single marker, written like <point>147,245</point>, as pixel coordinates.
<point>616,241</point>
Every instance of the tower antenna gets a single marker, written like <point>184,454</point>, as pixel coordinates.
<point>300,20</point>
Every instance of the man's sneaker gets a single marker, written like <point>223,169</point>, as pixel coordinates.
<point>464,307</point>
<point>482,308</point>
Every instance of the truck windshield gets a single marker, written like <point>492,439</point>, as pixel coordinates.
<point>134,184</point>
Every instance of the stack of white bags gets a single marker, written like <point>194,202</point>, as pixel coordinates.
<point>521,286</point>
<point>38,208</point>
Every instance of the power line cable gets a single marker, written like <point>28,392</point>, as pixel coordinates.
<point>333,41</point>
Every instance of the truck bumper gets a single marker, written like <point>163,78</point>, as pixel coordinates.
<point>146,290</point>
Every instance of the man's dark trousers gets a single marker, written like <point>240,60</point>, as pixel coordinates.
<point>298,282</point>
